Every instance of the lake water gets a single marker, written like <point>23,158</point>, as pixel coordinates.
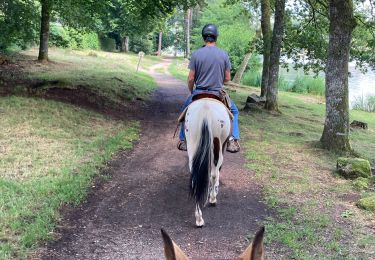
<point>359,84</point>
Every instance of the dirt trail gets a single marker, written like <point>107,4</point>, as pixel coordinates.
<point>148,191</point>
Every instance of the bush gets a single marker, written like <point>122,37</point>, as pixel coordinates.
<point>90,41</point>
<point>106,43</point>
<point>66,37</point>
<point>139,43</point>
<point>59,37</point>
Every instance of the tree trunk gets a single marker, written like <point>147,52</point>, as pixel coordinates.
<point>187,25</point>
<point>277,38</point>
<point>266,31</point>
<point>44,29</point>
<point>125,44</point>
<point>241,69</point>
<point>160,40</point>
<point>336,127</point>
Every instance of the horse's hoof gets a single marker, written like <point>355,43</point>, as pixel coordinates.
<point>213,204</point>
<point>199,224</point>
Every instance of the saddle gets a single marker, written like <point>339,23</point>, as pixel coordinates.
<point>224,99</point>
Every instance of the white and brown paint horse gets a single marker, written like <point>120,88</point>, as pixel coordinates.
<point>255,251</point>
<point>207,129</point>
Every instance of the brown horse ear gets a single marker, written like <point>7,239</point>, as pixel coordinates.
<point>171,249</point>
<point>255,251</point>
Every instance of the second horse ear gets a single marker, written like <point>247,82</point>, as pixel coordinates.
<point>255,250</point>
<point>171,250</point>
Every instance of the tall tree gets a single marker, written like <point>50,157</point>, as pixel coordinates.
<point>44,29</point>
<point>277,37</point>
<point>187,28</point>
<point>266,32</point>
<point>336,127</point>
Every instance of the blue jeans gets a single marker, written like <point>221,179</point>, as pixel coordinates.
<point>233,109</point>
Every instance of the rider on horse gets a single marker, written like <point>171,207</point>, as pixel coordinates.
<point>209,70</point>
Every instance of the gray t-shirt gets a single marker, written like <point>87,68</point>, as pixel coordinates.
<point>209,64</point>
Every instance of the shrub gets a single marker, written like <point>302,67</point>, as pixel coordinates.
<point>59,37</point>
<point>106,43</point>
<point>141,43</point>
<point>66,37</point>
<point>90,41</point>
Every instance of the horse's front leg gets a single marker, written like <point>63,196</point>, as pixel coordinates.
<point>199,222</point>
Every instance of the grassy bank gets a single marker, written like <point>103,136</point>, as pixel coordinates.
<point>108,74</point>
<point>51,151</point>
<point>317,213</point>
<point>317,217</point>
<point>178,68</point>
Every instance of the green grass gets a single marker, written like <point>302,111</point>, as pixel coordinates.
<point>50,152</point>
<point>299,83</point>
<point>111,75</point>
<point>179,68</point>
<point>284,152</point>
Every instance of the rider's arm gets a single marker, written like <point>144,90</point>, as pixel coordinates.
<point>227,76</point>
<point>191,80</point>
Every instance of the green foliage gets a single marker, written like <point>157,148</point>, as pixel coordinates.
<point>106,43</point>
<point>141,43</point>
<point>283,84</point>
<point>252,78</point>
<point>307,35</point>
<point>66,37</point>
<point>235,43</point>
<point>90,41</point>
<point>233,23</point>
<point>19,23</point>
<point>174,32</point>
<point>300,84</point>
<point>59,37</point>
<point>308,84</point>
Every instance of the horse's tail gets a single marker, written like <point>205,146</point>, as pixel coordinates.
<point>201,167</point>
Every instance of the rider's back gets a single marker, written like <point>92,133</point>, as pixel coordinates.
<point>209,64</point>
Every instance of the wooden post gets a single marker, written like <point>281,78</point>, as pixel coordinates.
<point>160,40</point>
<point>140,55</point>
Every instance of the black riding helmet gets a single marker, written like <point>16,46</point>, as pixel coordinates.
<point>210,33</point>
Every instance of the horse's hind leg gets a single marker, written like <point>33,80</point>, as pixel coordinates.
<point>199,222</point>
<point>215,172</point>
<point>214,186</point>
